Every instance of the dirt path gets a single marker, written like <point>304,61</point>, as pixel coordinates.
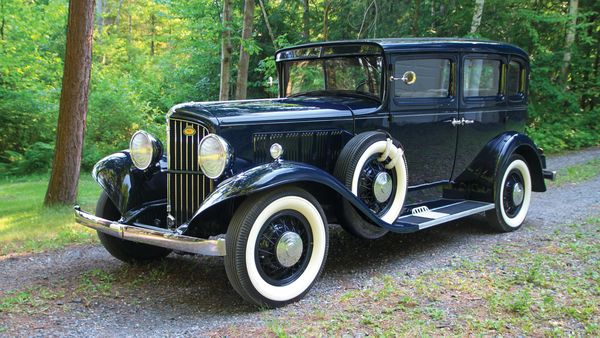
<point>82,291</point>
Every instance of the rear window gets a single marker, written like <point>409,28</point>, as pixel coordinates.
<point>514,79</point>
<point>481,77</point>
<point>432,78</point>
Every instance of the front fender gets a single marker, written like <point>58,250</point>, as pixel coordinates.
<point>128,187</point>
<point>280,173</point>
<point>477,181</point>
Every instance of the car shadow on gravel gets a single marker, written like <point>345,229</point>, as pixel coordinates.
<point>181,286</point>
<point>349,254</point>
<point>193,285</point>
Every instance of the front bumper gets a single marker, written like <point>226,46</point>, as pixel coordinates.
<point>156,236</point>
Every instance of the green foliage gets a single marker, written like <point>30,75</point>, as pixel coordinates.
<point>34,159</point>
<point>149,55</point>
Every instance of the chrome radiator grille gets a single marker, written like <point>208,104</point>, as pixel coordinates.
<point>187,186</point>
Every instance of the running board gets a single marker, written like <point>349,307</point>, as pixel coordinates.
<point>422,217</point>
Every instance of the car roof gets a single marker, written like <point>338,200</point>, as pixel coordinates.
<point>425,45</point>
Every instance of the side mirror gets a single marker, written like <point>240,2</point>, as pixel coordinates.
<point>409,77</point>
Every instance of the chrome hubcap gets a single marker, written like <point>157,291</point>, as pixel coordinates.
<point>382,187</point>
<point>518,194</point>
<point>289,249</point>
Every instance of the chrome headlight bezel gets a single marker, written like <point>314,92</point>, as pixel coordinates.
<point>224,156</point>
<point>153,150</point>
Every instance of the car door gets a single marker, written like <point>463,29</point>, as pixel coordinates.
<point>483,108</point>
<point>422,114</point>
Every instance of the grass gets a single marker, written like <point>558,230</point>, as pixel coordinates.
<point>578,173</point>
<point>27,226</point>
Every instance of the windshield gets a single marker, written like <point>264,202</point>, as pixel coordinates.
<point>346,75</point>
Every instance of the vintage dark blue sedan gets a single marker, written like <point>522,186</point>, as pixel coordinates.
<point>376,135</point>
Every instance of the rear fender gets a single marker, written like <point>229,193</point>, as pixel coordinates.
<point>129,188</point>
<point>477,181</point>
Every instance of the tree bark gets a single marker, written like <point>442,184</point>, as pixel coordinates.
<point>152,33</point>
<point>241,85</point>
<point>99,17</point>
<point>267,23</point>
<point>416,19</point>
<point>305,21</point>
<point>62,188</point>
<point>571,30</point>
<point>477,13</point>
<point>118,19</point>
<point>326,19</point>
<point>226,50</point>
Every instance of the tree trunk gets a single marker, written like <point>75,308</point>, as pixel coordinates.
<point>326,19</point>
<point>477,13</point>
<point>62,188</point>
<point>226,50</point>
<point>416,19</point>
<point>152,33</point>
<point>305,21</point>
<point>267,23</point>
<point>571,29</point>
<point>118,19</point>
<point>3,23</point>
<point>241,85</point>
<point>99,17</point>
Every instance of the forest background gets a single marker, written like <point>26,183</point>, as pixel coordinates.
<point>151,54</point>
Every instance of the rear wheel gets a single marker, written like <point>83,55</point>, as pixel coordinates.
<point>512,195</point>
<point>126,251</point>
<point>276,246</point>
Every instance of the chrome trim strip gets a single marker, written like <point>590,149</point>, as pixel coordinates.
<point>162,238</point>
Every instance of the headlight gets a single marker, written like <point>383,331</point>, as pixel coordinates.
<point>213,155</point>
<point>144,149</point>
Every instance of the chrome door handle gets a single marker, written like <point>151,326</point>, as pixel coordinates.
<point>456,122</point>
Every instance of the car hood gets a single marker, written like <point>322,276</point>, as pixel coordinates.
<point>273,110</point>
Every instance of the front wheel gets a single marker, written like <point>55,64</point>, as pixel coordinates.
<point>512,195</point>
<point>126,251</point>
<point>277,243</point>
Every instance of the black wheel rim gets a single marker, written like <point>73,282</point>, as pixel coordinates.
<point>368,173</point>
<point>269,267</point>
<point>513,178</point>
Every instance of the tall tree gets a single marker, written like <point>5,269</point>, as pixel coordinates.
<point>571,29</point>
<point>305,21</point>
<point>62,188</point>
<point>226,50</point>
<point>326,11</point>
<point>267,23</point>
<point>477,13</point>
<point>241,85</point>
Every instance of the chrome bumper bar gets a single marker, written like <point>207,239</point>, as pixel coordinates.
<point>549,175</point>
<point>163,238</point>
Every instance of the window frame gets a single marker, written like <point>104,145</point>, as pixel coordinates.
<point>452,88</point>
<point>522,93</point>
<point>500,96</point>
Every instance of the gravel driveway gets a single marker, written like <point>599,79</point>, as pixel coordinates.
<point>93,294</point>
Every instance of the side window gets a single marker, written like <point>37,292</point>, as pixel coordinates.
<point>481,77</point>
<point>514,79</point>
<point>432,78</point>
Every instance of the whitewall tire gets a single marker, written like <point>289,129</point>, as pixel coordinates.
<point>512,195</point>
<point>277,243</point>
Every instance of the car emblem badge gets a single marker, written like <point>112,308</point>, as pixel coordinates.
<point>189,131</point>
